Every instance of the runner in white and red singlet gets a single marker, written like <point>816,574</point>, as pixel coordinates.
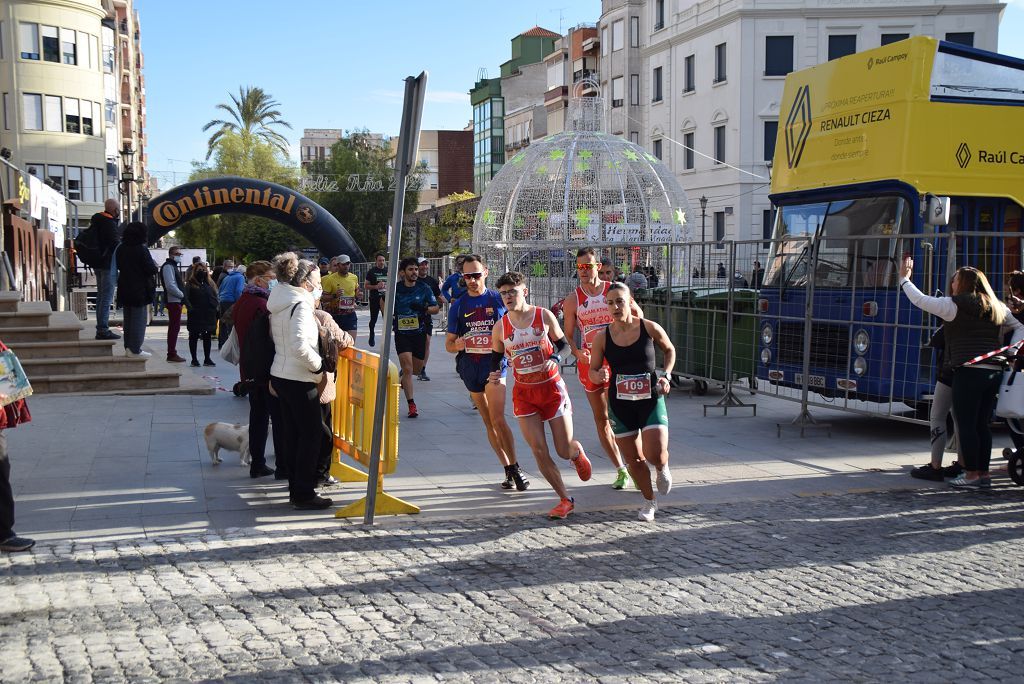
<point>585,308</point>
<point>528,336</point>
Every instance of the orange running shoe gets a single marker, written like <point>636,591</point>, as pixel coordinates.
<point>582,465</point>
<point>563,509</point>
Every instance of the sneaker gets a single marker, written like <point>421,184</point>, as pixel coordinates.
<point>582,465</point>
<point>17,543</point>
<point>174,358</point>
<point>509,483</point>
<point>648,510</point>
<point>371,341</point>
<point>664,481</point>
<point>952,470</point>
<point>194,364</point>
<point>423,375</point>
<point>962,482</point>
<point>142,354</point>
<point>621,479</point>
<point>108,335</point>
<point>412,410</point>
<point>317,503</point>
<point>209,362</point>
<point>329,481</point>
<point>927,472</point>
<point>260,471</point>
<point>563,509</point>
<point>519,477</point>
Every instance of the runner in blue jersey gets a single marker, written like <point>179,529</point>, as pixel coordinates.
<point>412,299</point>
<point>471,320</point>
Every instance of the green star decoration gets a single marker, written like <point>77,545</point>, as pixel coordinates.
<point>630,155</point>
<point>680,217</point>
<point>651,158</point>
<point>489,217</point>
<point>555,155</point>
<point>655,215</point>
<point>518,159</point>
<point>585,154</point>
<point>543,215</point>
<point>613,164</point>
<point>583,217</point>
<point>582,166</point>
<point>541,170</point>
<point>518,222</point>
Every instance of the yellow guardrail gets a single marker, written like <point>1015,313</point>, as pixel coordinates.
<point>352,417</point>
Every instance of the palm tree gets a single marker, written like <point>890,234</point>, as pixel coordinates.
<point>253,113</point>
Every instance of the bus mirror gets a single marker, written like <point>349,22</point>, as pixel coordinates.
<point>936,211</point>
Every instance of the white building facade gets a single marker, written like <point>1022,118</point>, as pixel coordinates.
<point>709,76</point>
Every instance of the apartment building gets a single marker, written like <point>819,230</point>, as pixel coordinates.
<point>315,144</point>
<point>446,160</point>
<point>701,82</point>
<point>572,71</point>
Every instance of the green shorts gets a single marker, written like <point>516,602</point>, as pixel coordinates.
<point>630,417</point>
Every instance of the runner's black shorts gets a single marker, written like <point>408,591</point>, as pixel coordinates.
<point>474,373</point>
<point>414,343</point>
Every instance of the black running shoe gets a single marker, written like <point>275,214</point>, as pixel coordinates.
<point>927,472</point>
<point>952,470</point>
<point>509,483</point>
<point>520,478</point>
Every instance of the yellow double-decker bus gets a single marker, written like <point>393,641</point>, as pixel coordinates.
<point>913,148</point>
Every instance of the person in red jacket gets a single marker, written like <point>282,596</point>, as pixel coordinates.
<point>12,415</point>
<point>263,406</point>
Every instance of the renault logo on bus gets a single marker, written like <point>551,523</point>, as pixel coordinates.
<point>963,155</point>
<point>798,126</point>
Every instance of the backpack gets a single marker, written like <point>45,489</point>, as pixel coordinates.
<point>87,247</point>
<point>258,349</point>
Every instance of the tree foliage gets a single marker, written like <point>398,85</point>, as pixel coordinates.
<point>454,225</point>
<point>363,206</point>
<point>254,116</point>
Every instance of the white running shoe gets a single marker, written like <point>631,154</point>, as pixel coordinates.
<point>143,354</point>
<point>647,512</point>
<point>664,481</point>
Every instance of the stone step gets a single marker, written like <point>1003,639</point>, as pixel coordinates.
<point>51,350</point>
<point>82,365</point>
<point>9,301</point>
<point>56,332</point>
<point>107,383</point>
<point>24,319</point>
<point>200,391</point>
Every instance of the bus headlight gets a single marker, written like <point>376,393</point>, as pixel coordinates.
<point>861,341</point>
<point>766,356</point>
<point>860,365</point>
<point>767,334</point>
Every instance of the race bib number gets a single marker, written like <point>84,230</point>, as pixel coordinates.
<point>346,304</point>
<point>478,343</point>
<point>530,360</point>
<point>633,387</point>
<point>408,323</point>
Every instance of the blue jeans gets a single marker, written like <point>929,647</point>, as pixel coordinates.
<point>104,298</point>
<point>135,319</point>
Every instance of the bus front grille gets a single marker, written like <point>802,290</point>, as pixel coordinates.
<point>829,344</point>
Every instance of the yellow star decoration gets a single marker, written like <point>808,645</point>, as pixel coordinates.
<point>655,215</point>
<point>680,217</point>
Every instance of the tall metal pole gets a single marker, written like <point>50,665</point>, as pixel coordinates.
<point>408,141</point>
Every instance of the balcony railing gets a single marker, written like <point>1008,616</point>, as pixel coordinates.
<point>583,74</point>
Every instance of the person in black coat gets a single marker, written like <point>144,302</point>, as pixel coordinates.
<point>136,286</point>
<point>201,292</point>
<point>105,225</point>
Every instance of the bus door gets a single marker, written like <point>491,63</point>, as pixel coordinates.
<point>968,218</point>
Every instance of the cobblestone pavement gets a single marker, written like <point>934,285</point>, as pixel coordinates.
<point>897,586</point>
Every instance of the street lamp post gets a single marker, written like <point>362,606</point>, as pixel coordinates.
<point>703,216</point>
<point>127,177</point>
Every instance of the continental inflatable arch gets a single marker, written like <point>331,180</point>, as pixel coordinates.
<point>236,195</point>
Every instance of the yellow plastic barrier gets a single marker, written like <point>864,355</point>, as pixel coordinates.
<point>352,416</point>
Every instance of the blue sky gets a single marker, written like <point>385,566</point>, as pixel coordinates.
<point>340,64</point>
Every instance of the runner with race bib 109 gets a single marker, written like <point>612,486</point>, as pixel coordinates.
<point>587,309</point>
<point>623,355</point>
<point>528,337</point>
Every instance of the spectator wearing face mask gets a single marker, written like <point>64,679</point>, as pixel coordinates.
<point>174,291</point>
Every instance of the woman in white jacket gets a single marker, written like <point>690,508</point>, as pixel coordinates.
<point>296,372</point>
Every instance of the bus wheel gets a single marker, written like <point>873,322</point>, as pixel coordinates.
<point>700,387</point>
<point>1015,467</point>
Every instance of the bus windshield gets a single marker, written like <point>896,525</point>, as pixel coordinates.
<point>856,242</point>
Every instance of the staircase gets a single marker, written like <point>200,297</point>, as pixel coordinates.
<point>60,358</point>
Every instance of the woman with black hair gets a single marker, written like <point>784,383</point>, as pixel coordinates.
<point>136,286</point>
<point>202,312</point>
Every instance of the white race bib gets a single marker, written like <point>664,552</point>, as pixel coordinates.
<point>633,387</point>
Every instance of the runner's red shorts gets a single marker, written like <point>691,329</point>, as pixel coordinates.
<point>547,400</point>
<point>583,370</point>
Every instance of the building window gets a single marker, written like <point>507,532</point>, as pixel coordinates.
<point>634,32</point>
<point>659,14</point>
<point>75,182</point>
<point>109,107</point>
<point>72,122</point>
<point>51,44</point>
<point>688,150</point>
<point>97,113</point>
<point>778,55</point>
<point>87,117</point>
<point>68,47</point>
<point>720,63</point>
<point>888,38</point>
<point>55,174</point>
<point>657,149</point>
<point>719,144</point>
<point>965,38</point>
<point>3,41</point>
<point>28,40</point>
<point>841,45</point>
<point>720,228</point>
<point>656,85</point>
<point>7,112</point>
<point>54,115</point>
<point>94,51</point>
<point>604,41</point>
<point>617,91</point>
<point>32,111</point>
<point>766,227</point>
<point>690,74</point>
<point>101,190</point>
<point>634,137</point>
<point>771,132</point>
<point>617,35</point>
<point>634,89</point>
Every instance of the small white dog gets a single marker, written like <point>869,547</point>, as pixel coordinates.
<point>232,437</point>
